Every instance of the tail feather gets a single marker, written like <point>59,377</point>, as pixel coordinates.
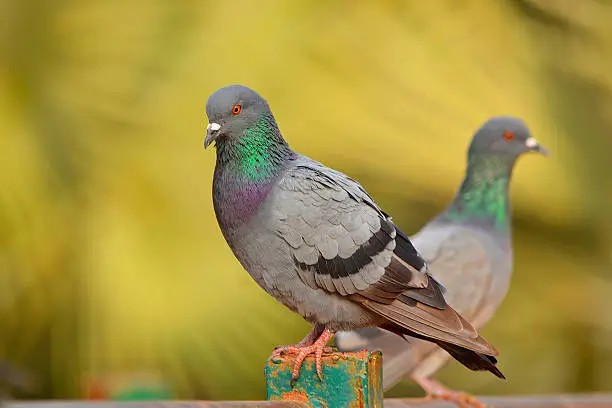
<point>471,359</point>
<point>420,320</point>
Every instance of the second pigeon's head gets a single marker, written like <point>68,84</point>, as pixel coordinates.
<point>507,136</point>
<point>233,109</point>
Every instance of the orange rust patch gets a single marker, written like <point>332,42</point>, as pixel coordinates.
<point>361,354</point>
<point>359,403</point>
<point>375,378</point>
<point>374,368</point>
<point>294,396</point>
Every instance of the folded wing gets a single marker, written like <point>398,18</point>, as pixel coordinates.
<point>344,243</point>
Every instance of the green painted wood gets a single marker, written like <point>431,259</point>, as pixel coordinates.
<point>349,380</point>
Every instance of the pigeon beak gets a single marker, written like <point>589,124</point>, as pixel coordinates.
<point>212,132</point>
<point>534,146</point>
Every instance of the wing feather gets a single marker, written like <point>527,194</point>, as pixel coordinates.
<point>349,246</point>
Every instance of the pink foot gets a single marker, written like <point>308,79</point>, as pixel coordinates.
<point>304,350</point>
<point>435,390</point>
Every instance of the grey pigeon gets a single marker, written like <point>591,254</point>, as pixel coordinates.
<point>315,240</point>
<point>468,248</point>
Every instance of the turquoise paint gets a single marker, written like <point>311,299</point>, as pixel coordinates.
<point>349,380</point>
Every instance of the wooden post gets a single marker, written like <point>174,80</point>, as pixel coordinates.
<point>352,379</point>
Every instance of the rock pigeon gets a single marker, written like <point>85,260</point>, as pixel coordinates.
<point>468,248</point>
<point>315,240</point>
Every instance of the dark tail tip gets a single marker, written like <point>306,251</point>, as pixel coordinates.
<point>492,366</point>
<point>473,360</point>
<point>496,372</point>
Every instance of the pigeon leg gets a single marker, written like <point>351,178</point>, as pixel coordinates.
<point>303,350</point>
<point>318,347</point>
<point>435,390</point>
<point>310,338</point>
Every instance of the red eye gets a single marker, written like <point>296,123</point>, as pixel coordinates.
<point>236,109</point>
<point>508,135</point>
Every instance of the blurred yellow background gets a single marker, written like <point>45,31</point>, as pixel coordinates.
<point>111,260</point>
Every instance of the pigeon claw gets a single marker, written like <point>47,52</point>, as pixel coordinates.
<point>317,348</point>
<point>435,390</point>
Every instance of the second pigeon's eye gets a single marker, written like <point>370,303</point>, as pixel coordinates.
<point>236,109</point>
<point>508,135</point>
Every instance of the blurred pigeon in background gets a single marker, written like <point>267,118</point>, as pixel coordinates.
<point>469,250</point>
<point>315,240</point>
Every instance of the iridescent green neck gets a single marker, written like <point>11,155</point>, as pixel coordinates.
<point>483,195</point>
<point>258,153</point>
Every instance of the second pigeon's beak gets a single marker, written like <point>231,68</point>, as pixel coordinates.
<point>212,132</point>
<point>534,146</point>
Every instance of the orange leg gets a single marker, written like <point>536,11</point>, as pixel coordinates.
<point>306,347</point>
<point>435,390</point>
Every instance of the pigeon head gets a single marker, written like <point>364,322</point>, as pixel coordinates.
<point>483,195</point>
<point>234,109</point>
<point>506,136</point>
